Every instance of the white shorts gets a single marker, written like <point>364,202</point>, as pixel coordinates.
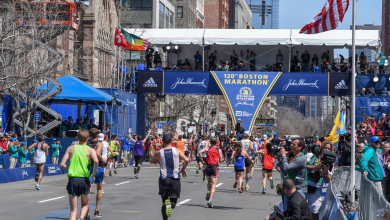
<point>314,200</point>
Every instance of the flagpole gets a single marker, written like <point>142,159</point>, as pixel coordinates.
<point>353,116</point>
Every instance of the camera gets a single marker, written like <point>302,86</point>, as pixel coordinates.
<point>275,149</point>
<point>286,144</point>
<point>328,158</point>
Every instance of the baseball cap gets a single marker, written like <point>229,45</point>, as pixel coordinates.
<point>316,136</point>
<point>101,137</point>
<point>23,143</point>
<point>127,136</point>
<point>35,141</point>
<point>264,137</point>
<point>246,133</point>
<point>54,139</point>
<point>167,137</point>
<point>13,139</point>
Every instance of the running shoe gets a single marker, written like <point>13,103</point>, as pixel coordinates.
<point>235,185</point>
<point>208,196</point>
<point>37,187</point>
<point>247,186</point>
<point>36,177</point>
<point>115,171</point>
<point>197,170</point>
<point>87,217</point>
<point>251,177</point>
<point>240,190</point>
<point>210,204</point>
<point>168,210</point>
<point>133,165</point>
<point>204,179</point>
<point>110,173</point>
<point>104,182</point>
<point>136,176</point>
<point>135,170</point>
<point>272,184</point>
<point>264,191</point>
<point>97,214</point>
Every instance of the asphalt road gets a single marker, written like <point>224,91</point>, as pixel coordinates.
<point>128,198</point>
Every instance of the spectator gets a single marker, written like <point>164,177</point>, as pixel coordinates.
<point>382,61</point>
<point>371,130</point>
<point>335,67</point>
<point>140,66</point>
<point>341,58</point>
<point>23,154</point>
<point>187,63</point>
<point>85,123</point>
<point>158,67</point>
<point>175,68</point>
<point>294,167</point>
<point>381,121</point>
<point>226,67</point>
<point>128,80</point>
<point>63,129</point>
<point>149,60</point>
<point>325,60</point>
<point>363,61</point>
<point>344,149</point>
<point>384,92</point>
<point>146,149</point>
<point>305,61</point>
<point>198,57</point>
<point>212,59</point>
<point>13,150</point>
<point>252,60</point>
<point>55,152</point>
<point>279,59</point>
<point>294,63</point>
<point>70,124</point>
<point>314,60</point>
<point>3,144</point>
<point>386,179</point>
<point>234,58</point>
<point>91,124</point>
<point>362,92</point>
<point>297,207</point>
<point>218,66</point>
<point>241,67</point>
<point>125,151</point>
<point>370,165</point>
<point>316,174</point>
<point>79,125</point>
<point>157,58</point>
<point>379,133</point>
<point>373,122</point>
<point>371,92</point>
<point>316,69</point>
<point>372,70</point>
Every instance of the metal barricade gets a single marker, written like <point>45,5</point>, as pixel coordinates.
<point>341,180</point>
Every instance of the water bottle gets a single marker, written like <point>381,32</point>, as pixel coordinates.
<point>324,189</point>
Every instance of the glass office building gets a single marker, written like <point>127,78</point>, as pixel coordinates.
<point>265,13</point>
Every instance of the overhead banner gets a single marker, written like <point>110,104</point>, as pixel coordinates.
<point>340,84</point>
<point>165,120</point>
<point>371,106</point>
<point>302,84</point>
<point>151,81</point>
<point>265,122</point>
<point>245,93</point>
<point>181,82</point>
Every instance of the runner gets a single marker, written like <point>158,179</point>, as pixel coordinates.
<point>268,166</point>
<point>138,151</point>
<point>81,157</point>
<point>186,145</point>
<point>107,153</point>
<point>247,146</point>
<point>239,166</point>
<point>169,181</point>
<point>157,143</point>
<point>41,151</point>
<point>132,150</point>
<point>201,145</point>
<point>252,155</point>
<point>114,144</point>
<point>214,157</point>
<point>223,147</point>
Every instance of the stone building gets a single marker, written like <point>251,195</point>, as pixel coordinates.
<point>216,14</point>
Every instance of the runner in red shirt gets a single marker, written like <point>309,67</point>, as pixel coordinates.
<point>214,157</point>
<point>268,166</point>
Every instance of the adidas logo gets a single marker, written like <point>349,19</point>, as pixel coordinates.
<point>150,83</point>
<point>341,85</point>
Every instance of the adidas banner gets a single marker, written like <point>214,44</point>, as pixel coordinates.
<point>340,84</point>
<point>150,81</point>
<point>245,93</point>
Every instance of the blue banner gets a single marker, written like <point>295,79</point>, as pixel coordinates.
<point>165,120</point>
<point>178,82</point>
<point>301,84</point>
<point>245,93</point>
<point>372,106</point>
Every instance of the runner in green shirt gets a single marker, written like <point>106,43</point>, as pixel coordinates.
<point>81,157</point>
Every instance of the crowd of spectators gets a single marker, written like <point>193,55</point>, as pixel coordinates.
<point>372,92</point>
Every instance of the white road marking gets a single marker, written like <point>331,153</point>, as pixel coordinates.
<point>219,184</point>
<point>52,199</point>
<point>182,202</point>
<point>122,183</point>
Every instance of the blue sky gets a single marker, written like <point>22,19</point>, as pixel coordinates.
<point>294,14</point>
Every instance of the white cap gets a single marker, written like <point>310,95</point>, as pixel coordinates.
<point>246,133</point>
<point>264,137</point>
<point>101,137</point>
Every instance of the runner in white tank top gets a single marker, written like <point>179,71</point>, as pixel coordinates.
<point>247,146</point>
<point>41,152</point>
<point>202,144</point>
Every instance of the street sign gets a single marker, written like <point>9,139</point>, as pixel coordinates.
<point>265,122</point>
<point>37,116</point>
<point>166,120</point>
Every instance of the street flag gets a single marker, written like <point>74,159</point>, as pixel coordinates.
<point>136,42</point>
<point>335,133</point>
<point>329,17</point>
<point>343,130</point>
<point>119,39</point>
<point>146,44</point>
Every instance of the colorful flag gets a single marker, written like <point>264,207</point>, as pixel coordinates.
<point>328,18</point>
<point>119,39</point>
<point>343,130</point>
<point>130,41</point>
<point>146,44</point>
<point>335,133</point>
<point>137,42</point>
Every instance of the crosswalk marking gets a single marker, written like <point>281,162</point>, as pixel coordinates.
<point>182,202</point>
<point>122,183</point>
<point>219,184</point>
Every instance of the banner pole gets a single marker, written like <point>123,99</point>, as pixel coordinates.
<point>353,116</point>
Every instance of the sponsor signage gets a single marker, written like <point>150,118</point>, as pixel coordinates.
<point>182,82</point>
<point>265,122</point>
<point>245,93</point>
<point>340,84</point>
<point>165,120</point>
<point>150,81</point>
<point>374,106</point>
<point>301,84</point>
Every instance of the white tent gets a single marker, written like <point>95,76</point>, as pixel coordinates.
<point>265,42</point>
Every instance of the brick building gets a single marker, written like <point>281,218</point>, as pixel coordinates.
<point>216,14</point>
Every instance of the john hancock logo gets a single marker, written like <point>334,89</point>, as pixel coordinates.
<point>24,173</point>
<point>245,97</point>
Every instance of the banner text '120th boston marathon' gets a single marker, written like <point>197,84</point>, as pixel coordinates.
<point>245,93</point>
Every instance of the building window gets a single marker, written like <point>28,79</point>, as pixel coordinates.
<point>180,11</point>
<point>389,49</point>
<point>171,17</point>
<point>161,9</point>
<point>167,14</point>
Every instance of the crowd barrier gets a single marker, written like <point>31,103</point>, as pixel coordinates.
<point>341,180</point>
<point>371,200</point>
<point>26,173</point>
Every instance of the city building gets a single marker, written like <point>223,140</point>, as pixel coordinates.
<point>319,107</point>
<point>385,30</point>
<point>265,13</point>
<point>241,14</point>
<point>190,13</point>
<point>369,53</point>
<point>293,102</point>
<point>216,14</point>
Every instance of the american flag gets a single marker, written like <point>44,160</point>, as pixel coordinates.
<point>328,18</point>
<point>146,44</point>
<point>350,131</point>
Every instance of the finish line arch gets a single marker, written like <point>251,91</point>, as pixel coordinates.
<point>245,92</point>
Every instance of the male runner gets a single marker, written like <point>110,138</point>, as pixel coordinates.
<point>138,151</point>
<point>214,157</point>
<point>202,145</point>
<point>114,145</point>
<point>80,156</point>
<point>247,146</point>
<point>169,181</point>
<point>41,151</point>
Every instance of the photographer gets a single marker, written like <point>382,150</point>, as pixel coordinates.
<point>294,167</point>
<point>239,128</point>
<point>344,148</point>
<point>317,172</point>
<point>297,207</point>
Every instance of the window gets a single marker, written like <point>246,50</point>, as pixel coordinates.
<point>161,9</point>
<point>167,14</point>
<point>389,49</point>
<point>171,17</point>
<point>138,4</point>
<point>180,11</point>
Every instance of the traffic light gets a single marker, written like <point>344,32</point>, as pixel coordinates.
<point>222,127</point>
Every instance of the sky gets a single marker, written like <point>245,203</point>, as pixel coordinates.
<point>294,14</point>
